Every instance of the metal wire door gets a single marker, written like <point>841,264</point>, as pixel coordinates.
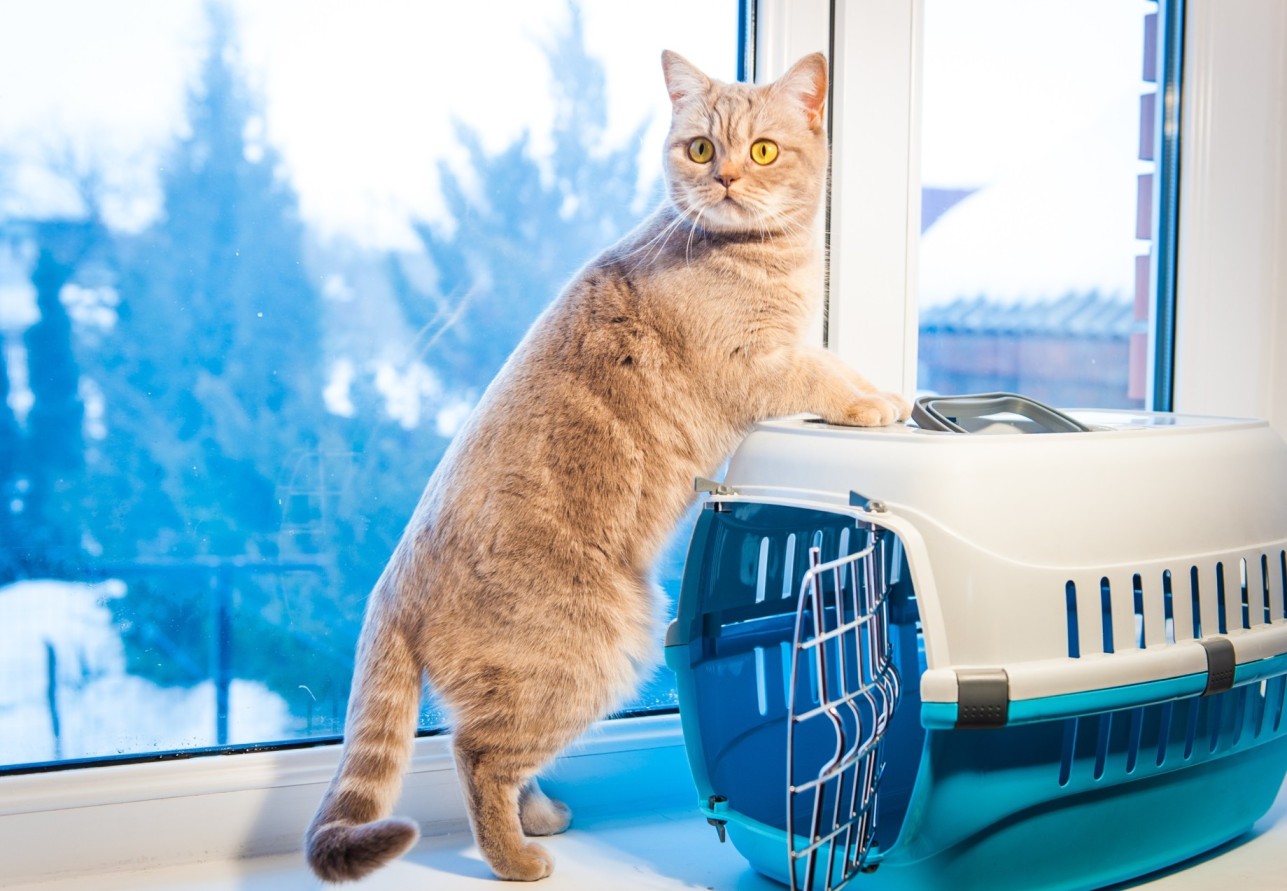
<point>843,687</point>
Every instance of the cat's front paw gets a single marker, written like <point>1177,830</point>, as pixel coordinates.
<point>868,410</point>
<point>901,405</point>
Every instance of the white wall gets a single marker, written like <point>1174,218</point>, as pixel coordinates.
<point>1231,317</point>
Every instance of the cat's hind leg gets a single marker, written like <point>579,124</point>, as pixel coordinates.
<point>540,814</point>
<point>493,777</point>
<point>502,740</point>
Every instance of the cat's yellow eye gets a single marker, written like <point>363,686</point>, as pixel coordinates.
<point>701,150</point>
<point>764,151</point>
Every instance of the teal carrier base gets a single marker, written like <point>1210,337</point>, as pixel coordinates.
<point>910,659</point>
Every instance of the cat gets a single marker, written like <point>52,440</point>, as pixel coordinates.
<point>521,586</point>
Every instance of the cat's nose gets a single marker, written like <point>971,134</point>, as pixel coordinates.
<point>726,178</point>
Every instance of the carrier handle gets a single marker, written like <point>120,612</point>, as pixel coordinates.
<point>942,412</point>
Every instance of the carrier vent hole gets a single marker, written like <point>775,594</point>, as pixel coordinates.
<point>1215,723</point>
<point>844,552</point>
<point>1238,718</point>
<point>1258,702</point>
<point>1245,590</point>
<point>762,573</point>
<point>1195,602</point>
<point>1137,591</point>
<point>1102,744</point>
<point>1191,708</point>
<point>1222,614</point>
<point>1165,712</point>
<point>1074,637</point>
<point>1133,742</point>
<point>1264,587</point>
<point>1106,613</point>
<point>1069,752</point>
<point>1282,574</point>
<point>1274,706</point>
<point>761,688</point>
<point>788,567</point>
<point>1168,606</point>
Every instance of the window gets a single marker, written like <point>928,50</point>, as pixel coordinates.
<point>1045,250</point>
<point>254,272</point>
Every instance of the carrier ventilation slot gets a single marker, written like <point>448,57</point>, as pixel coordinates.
<point>1159,610</point>
<point>770,562</point>
<point>1140,742</point>
<point>843,648</point>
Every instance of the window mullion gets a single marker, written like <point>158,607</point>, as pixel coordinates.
<point>874,208</point>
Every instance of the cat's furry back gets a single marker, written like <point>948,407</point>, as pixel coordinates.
<point>521,586</point>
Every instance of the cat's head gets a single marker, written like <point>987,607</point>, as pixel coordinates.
<point>744,158</point>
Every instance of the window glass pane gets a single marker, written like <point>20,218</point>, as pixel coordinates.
<point>1037,210</point>
<point>258,260</point>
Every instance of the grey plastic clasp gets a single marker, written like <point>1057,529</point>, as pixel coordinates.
<point>1222,662</point>
<point>982,698</point>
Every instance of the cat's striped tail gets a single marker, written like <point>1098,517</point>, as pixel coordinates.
<point>352,834</point>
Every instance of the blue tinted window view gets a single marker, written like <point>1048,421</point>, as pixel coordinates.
<point>257,263</point>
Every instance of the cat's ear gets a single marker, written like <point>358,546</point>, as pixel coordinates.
<point>683,78</point>
<point>806,84</point>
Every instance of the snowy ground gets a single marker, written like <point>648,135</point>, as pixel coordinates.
<point>101,709</point>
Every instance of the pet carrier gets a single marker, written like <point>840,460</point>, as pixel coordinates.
<point>909,658</point>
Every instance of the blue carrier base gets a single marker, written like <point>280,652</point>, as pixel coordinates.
<point>1061,803</point>
<point>970,838</point>
<point>1014,809</point>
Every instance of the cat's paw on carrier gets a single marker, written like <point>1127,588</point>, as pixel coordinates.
<point>872,410</point>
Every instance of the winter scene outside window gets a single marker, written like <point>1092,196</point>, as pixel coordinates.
<point>258,260</point>
<point>1037,258</point>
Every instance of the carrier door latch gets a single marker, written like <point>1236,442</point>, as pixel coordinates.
<point>1222,664</point>
<point>982,698</point>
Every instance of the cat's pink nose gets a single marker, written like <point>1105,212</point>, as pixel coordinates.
<point>726,179</point>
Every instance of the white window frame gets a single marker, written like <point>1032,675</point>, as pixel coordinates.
<point>1231,301</point>
<point>1231,355</point>
<point>1231,282</point>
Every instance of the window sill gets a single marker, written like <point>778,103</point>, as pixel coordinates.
<point>234,824</point>
<point>226,808</point>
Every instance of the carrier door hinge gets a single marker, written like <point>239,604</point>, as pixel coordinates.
<point>1222,662</point>
<point>982,698</point>
<point>718,804</point>
<point>710,487</point>
<point>870,505</point>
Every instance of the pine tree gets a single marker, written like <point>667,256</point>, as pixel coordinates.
<point>513,249</point>
<point>213,386</point>
<point>10,443</point>
<point>219,341</point>
<point>49,458</point>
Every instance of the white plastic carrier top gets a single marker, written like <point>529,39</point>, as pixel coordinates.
<point>1073,561</point>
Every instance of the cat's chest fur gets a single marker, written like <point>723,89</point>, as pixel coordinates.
<point>640,376</point>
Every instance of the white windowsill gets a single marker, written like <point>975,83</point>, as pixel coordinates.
<point>225,823</point>
<point>104,819</point>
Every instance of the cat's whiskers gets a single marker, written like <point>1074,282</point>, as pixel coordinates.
<point>661,239</point>
<point>692,230</point>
